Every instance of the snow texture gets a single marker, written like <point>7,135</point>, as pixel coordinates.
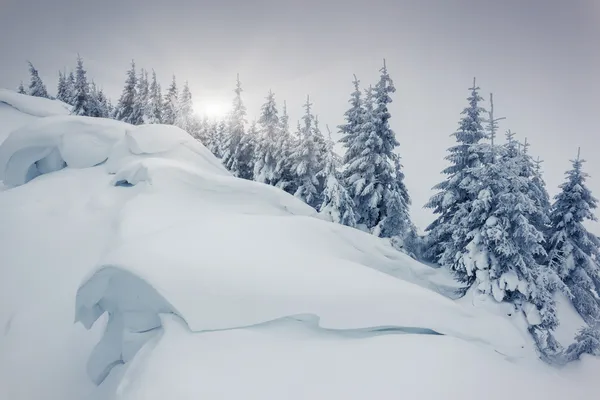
<point>190,279</point>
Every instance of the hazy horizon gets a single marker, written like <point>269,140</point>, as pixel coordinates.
<point>539,58</point>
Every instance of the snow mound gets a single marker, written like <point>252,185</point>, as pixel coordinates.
<point>34,106</point>
<point>165,142</point>
<point>49,144</point>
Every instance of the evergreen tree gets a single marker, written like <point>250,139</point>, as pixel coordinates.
<point>244,160</point>
<point>183,118</point>
<point>125,110</point>
<point>453,193</point>
<point>265,168</point>
<point>81,92</point>
<point>62,90</point>
<point>21,88</point>
<point>70,96</point>
<point>214,139</point>
<point>306,163</point>
<point>155,100</point>
<point>141,102</point>
<point>337,203</point>
<point>220,138</point>
<point>36,86</point>
<point>587,341</point>
<point>354,123</point>
<point>97,103</point>
<point>237,120</point>
<point>573,251</point>
<point>171,104</point>
<point>283,149</point>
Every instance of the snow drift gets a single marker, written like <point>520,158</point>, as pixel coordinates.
<point>195,284</point>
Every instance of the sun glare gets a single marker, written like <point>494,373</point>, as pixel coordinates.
<point>213,109</point>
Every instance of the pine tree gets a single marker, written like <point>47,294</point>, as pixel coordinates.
<point>214,139</point>
<point>21,88</point>
<point>337,203</point>
<point>183,118</point>
<point>265,168</point>
<point>62,90</point>
<point>36,86</point>
<point>283,149</point>
<point>97,102</point>
<point>141,102</point>
<point>354,123</point>
<point>306,163</point>
<point>574,253</point>
<point>237,120</point>
<point>70,96</point>
<point>220,138</point>
<point>156,105</point>
<point>244,159</point>
<point>171,104</point>
<point>453,194</point>
<point>81,92</point>
<point>125,110</point>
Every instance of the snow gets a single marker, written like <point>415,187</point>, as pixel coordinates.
<point>195,284</point>
<point>33,106</point>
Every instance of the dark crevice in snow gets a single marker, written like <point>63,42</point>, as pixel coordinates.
<point>123,183</point>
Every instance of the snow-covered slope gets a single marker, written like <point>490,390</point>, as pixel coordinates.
<point>195,284</point>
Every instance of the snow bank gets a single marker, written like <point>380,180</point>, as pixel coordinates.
<point>49,144</point>
<point>34,106</point>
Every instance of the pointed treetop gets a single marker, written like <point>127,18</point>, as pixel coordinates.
<point>525,146</point>
<point>578,153</point>
<point>538,165</point>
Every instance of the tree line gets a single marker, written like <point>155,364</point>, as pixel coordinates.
<point>496,227</point>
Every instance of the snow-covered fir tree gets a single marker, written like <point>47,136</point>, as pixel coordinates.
<point>283,149</point>
<point>214,139</point>
<point>574,253</point>
<point>81,91</point>
<point>587,341</point>
<point>265,168</point>
<point>183,118</point>
<point>125,110</point>
<point>62,90</point>
<point>21,88</point>
<point>244,159</point>
<point>306,163</point>
<point>372,169</point>
<point>354,123</point>
<point>70,96</point>
<point>155,102</point>
<point>220,138</point>
<point>453,192</point>
<point>171,104</point>
<point>36,86</point>
<point>98,106</point>
<point>141,102</point>
<point>337,203</point>
<point>235,132</point>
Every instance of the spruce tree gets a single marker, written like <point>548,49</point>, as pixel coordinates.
<point>125,110</point>
<point>245,153</point>
<point>36,86</point>
<point>155,100</point>
<point>21,88</point>
<point>97,102</point>
<point>141,102</point>
<point>235,131</point>
<point>81,92</point>
<point>62,90</point>
<point>70,96</point>
<point>306,163</point>
<point>337,204</point>
<point>183,118</point>
<point>283,149</point>
<point>214,139</point>
<point>171,104</point>
<point>453,193</point>
<point>574,253</point>
<point>265,168</point>
<point>354,123</point>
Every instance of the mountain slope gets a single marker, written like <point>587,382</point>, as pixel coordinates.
<point>195,284</point>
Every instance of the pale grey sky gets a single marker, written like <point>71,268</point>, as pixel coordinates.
<point>541,58</point>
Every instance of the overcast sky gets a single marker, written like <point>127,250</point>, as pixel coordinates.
<point>541,58</point>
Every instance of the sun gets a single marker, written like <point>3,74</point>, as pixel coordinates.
<point>211,108</point>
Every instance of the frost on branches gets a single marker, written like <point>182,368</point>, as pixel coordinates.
<point>573,251</point>
<point>235,129</point>
<point>265,169</point>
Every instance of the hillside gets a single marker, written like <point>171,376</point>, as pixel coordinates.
<point>134,266</point>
